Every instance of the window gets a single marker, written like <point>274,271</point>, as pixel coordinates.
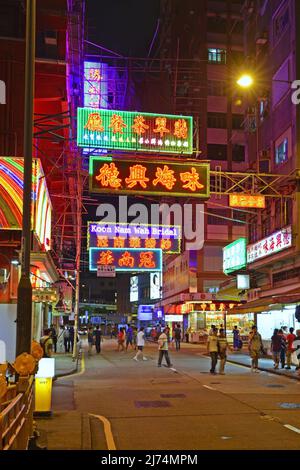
<point>237,121</point>
<point>216,88</point>
<point>281,152</point>
<point>238,153</point>
<point>217,152</point>
<point>217,56</point>
<point>216,120</point>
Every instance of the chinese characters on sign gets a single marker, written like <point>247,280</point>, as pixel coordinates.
<point>276,242</point>
<point>127,130</point>
<point>95,85</point>
<point>111,235</point>
<point>247,200</point>
<point>148,177</point>
<point>128,259</point>
<point>234,256</point>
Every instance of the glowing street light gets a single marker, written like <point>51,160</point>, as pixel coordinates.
<point>245,81</point>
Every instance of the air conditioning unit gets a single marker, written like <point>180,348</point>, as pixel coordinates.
<point>50,38</point>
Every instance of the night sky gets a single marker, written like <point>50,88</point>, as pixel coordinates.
<point>124,26</point>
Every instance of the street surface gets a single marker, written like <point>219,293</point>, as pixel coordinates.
<point>115,402</point>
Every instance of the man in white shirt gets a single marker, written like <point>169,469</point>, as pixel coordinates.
<point>163,349</point>
<point>140,341</point>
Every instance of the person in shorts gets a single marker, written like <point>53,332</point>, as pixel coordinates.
<point>140,341</point>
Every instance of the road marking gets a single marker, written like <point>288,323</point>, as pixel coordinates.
<point>210,388</point>
<point>107,431</point>
<point>292,428</point>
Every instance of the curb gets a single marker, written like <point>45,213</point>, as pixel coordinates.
<point>271,371</point>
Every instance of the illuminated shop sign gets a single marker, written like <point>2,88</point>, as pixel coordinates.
<point>11,198</point>
<point>134,289</point>
<point>247,200</point>
<point>186,179</point>
<point>95,85</point>
<point>140,132</point>
<point>276,242</point>
<point>155,286</point>
<point>121,235</point>
<point>130,259</point>
<point>234,256</point>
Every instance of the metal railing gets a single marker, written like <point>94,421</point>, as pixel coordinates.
<point>16,418</point>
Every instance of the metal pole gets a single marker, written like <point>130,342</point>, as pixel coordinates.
<point>78,253</point>
<point>24,305</point>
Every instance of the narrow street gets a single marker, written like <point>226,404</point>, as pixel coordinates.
<point>156,408</point>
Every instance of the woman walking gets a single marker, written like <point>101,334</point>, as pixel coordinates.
<point>255,347</point>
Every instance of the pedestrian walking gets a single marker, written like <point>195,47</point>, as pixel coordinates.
<point>67,339</point>
<point>98,337</point>
<point>290,339</point>
<point>236,338</point>
<point>90,341</point>
<point>255,347</point>
<point>121,339</point>
<point>129,337</point>
<point>283,347</point>
<point>71,338</point>
<point>276,341</point>
<point>140,341</point>
<point>223,345</point>
<point>212,348</point>
<point>163,347</point>
<point>177,336</point>
<point>135,332</point>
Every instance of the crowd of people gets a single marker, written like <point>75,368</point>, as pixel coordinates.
<point>285,345</point>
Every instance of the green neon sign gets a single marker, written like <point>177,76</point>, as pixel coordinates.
<point>235,256</point>
<point>139,132</point>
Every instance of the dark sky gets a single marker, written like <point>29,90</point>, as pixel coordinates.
<point>125,26</point>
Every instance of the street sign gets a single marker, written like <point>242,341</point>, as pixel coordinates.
<point>106,271</point>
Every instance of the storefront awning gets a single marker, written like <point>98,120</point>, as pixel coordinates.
<point>268,303</point>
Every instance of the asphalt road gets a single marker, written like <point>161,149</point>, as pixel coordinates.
<point>116,402</point>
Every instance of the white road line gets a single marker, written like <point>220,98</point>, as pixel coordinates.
<point>107,431</point>
<point>292,428</point>
<point>210,388</point>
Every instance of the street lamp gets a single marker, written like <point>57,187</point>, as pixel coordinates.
<point>245,81</point>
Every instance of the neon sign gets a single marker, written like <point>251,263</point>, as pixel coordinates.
<point>95,85</point>
<point>276,242</point>
<point>140,132</point>
<point>11,198</point>
<point>247,200</point>
<point>149,177</point>
<point>121,235</point>
<point>234,256</point>
<point>126,259</point>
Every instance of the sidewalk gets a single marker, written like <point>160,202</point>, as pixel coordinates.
<point>64,365</point>
<point>242,358</point>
